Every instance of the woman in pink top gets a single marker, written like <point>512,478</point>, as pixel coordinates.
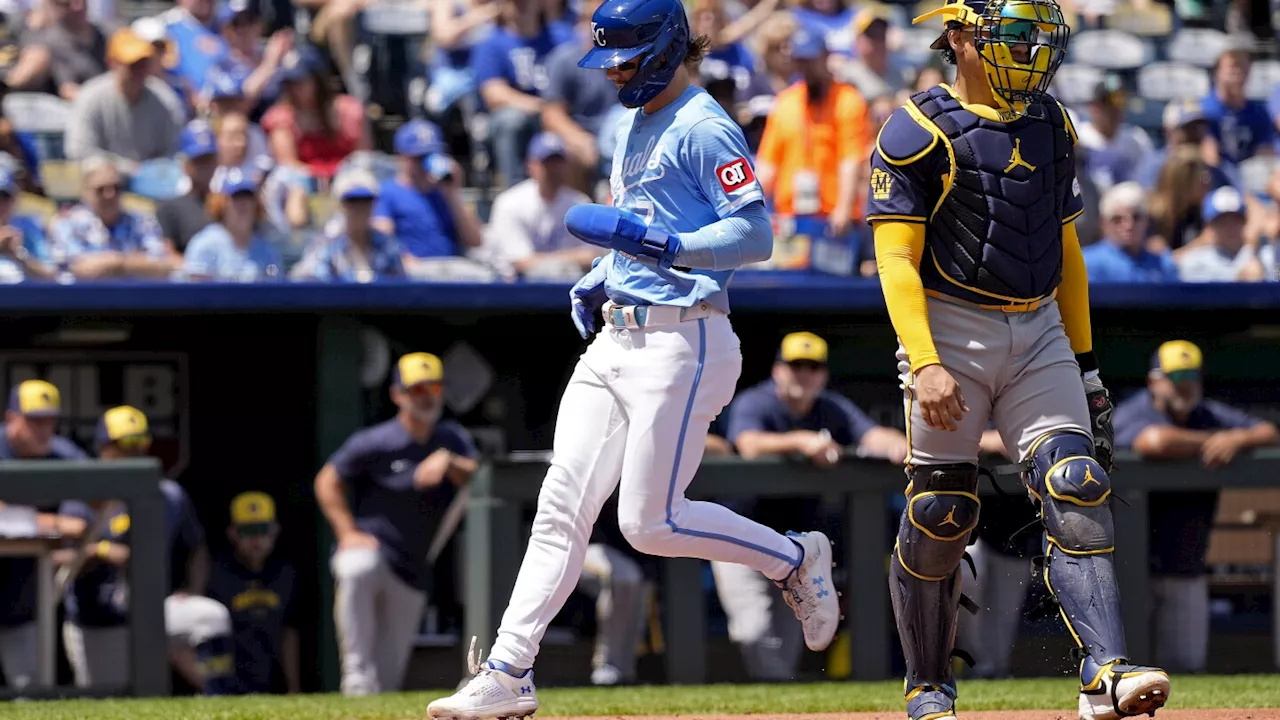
<point>308,126</point>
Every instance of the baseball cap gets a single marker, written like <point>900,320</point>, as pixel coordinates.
<point>298,63</point>
<point>869,15</point>
<point>545,145</point>
<point>220,85</point>
<point>36,398</point>
<point>197,140</point>
<point>1177,360</point>
<point>355,184</point>
<point>232,181</point>
<point>121,425</point>
<point>1109,91</point>
<point>803,346</point>
<point>965,12</point>
<point>253,513</point>
<point>229,10</point>
<point>417,138</point>
<point>128,47</point>
<point>1180,113</point>
<point>151,29</point>
<point>806,45</point>
<point>1225,200</point>
<point>416,369</point>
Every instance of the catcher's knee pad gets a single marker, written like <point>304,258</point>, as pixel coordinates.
<point>941,513</point>
<point>924,579</point>
<point>1073,491</point>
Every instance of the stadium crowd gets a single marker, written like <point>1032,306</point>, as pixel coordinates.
<point>357,140</point>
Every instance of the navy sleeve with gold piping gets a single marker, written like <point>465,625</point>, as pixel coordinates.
<point>905,177</point>
<point>1072,204</point>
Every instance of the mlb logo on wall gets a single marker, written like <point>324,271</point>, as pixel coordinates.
<point>734,175</point>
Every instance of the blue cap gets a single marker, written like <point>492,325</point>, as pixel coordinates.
<point>228,11</point>
<point>232,181</point>
<point>8,185</point>
<point>197,140</point>
<point>220,85</point>
<point>1223,201</point>
<point>299,62</point>
<point>417,138</point>
<point>545,145</point>
<point>807,45</point>
<point>355,184</point>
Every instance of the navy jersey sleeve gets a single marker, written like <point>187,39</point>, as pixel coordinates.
<point>456,438</point>
<point>858,422</point>
<point>748,412</point>
<point>287,584</point>
<point>716,155</point>
<point>1133,416</point>
<point>1229,418</point>
<point>905,170</point>
<point>350,459</point>
<point>1071,204</point>
<point>190,531</point>
<point>77,509</point>
<point>63,449</point>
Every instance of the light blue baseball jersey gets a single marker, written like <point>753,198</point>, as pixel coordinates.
<point>681,169</point>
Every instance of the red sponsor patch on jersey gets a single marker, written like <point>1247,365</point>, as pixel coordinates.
<point>735,174</point>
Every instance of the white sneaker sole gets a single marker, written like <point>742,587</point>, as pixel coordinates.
<point>506,711</point>
<point>1147,693</point>
<point>832,602</point>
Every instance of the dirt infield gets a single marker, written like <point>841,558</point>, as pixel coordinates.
<point>1269,714</point>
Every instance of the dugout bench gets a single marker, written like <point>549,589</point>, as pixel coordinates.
<point>495,538</point>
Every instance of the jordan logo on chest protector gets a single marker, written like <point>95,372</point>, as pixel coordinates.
<point>1015,159</point>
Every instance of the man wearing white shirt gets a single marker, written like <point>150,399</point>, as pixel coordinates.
<point>1116,149</point>
<point>1221,253</point>
<point>526,234</point>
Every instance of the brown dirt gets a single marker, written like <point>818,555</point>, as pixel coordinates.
<point>1257,714</point>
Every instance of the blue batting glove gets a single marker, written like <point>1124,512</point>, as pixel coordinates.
<point>586,297</point>
<point>621,230</point>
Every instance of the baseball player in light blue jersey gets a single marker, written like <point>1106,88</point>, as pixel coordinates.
<point>687,213</point>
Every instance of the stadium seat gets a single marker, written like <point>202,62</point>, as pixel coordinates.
<point>1146,113</point>
<point>320,208</point>
<point>395,18</point>
<point>916,41</point>
<point>40,208</point>
<point>1256,172</point>
<point>1167,80</point>
<point>158,179</point>
<point>137,204</point>
<point>43,117</point>
<point>1198,46</point>
<point>1154,20</point>
<point>1074,83</point>
<point>61,179</point>
<point>1110,49</point>
<point>1264,76</point>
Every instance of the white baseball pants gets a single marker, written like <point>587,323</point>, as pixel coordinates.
<point>636,411</point>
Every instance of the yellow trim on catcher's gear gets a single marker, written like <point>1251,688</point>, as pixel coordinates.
<point>897,550</point>
<point>911,517</point>
<point>1088,476</point>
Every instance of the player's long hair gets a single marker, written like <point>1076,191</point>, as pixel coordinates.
<point>1181,187</point>
<point>698,49</point>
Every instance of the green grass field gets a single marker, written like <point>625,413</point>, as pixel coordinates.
<point>1240,691</point>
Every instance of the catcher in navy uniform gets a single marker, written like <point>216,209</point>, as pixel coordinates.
<point>973,203</point>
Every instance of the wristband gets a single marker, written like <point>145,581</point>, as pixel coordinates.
<point>1087,361</point>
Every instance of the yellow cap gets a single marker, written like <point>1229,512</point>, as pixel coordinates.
<point>36,398</point>
<point>803,346</point>
<point>127,47</point>
<point>868,15</point>
<point>121,422</point>
<point>1177,356</point>
<point>253,508</point>
<point>416,368</point>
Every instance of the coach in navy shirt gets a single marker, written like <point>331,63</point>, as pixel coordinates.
<point>29,425</point>
<point>258,587</point>
<point>1172,420</point>
<point>401,476</point>
<point>510,66</point>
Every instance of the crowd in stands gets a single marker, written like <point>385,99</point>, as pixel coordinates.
<point>359,140</point>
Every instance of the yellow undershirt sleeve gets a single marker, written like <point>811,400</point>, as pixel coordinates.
<point>899,248</point>
<point>1073,293</point>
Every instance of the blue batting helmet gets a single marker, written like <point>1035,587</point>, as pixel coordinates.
<point>654,33</point>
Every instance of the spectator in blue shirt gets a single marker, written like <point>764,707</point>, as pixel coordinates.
<point>258,65</point>
<point>792,413</point>
<point>422,207</point>
<point>349,249</point>
<point>1221,253</point>
<point>1172,421</point>
<point>402,475</point>
<point>29,433</point>
<point>24,252</point>
<point>260,589</point>
<point>1242,127</point>
<point>1185,124</point>
<point>100,239</point>
<point>1121,255</point>
<point>511,72</point>
<point>238,246</point>
<point>577,101</point>
<point>832,19</point>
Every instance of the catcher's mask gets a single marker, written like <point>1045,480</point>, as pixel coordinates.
<point>1022,44</point>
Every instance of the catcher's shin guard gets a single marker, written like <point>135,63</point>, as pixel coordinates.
<point>924,579</point>
<point>1079,538</point>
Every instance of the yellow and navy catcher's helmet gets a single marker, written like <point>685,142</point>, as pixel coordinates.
<point>1022,44</point>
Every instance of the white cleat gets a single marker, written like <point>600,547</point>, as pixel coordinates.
<point>491,695</point>
<point>1120,691</point>
<point>809,592</point>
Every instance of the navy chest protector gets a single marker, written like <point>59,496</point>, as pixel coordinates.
<point>996,233</point>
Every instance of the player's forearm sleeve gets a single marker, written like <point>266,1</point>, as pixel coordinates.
<point>1073,293</point>
<point>744,237</point>
<point>899,247</point>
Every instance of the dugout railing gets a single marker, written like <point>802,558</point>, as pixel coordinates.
<point>495,535</point>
